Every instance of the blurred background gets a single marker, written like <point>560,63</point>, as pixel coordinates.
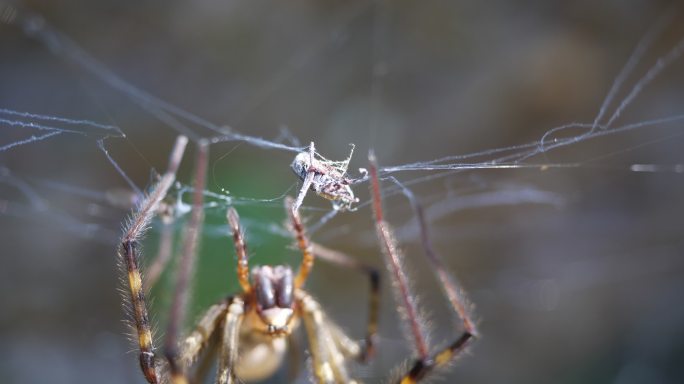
<point>575,273</point>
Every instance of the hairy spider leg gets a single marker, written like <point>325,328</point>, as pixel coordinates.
<point>240,249</point>
<point>186,266</point>
<point>129,254</point>
<point>450,286</point>
<point>425,362</point>
<point>389,249</point>
<point>242,307</point>
<point>329,346</point>
<point>303,244</point>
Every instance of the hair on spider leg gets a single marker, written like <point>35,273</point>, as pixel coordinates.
<point>129,258</point>
<point>425,361</point>
<point>451,288</point>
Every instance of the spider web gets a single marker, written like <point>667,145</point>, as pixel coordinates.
<point>82,140</point>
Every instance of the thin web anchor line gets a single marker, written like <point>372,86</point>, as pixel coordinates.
<point>660,65</point>
<point>54,131</point>
<point>523,155</point>
<point>642,47</point>
<point>514,160</point>
<point>51,130</point>
<point>59,44</point>
<point>87,123</point>
<point>30,140</point>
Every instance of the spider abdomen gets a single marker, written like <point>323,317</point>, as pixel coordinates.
<point>260,355</point>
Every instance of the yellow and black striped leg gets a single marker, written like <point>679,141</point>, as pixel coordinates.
<point>368,350</point>
<point>454,294</point>
<point>229,342</point>
<point>129,260</point>
<point>422,367</point>
<point>139,308</point>
<point>425,362</point>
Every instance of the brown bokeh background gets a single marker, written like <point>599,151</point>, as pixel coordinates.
<point>581,285</point>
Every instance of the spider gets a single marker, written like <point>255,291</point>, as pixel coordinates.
<point>252,327</point>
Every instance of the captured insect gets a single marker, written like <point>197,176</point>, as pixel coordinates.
<point>327,178</point>
<point>252,327</point>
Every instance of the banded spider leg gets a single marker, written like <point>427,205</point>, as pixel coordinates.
<point>426,361</point>
<point>129,257</point>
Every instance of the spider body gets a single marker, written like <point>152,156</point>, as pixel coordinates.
<point>269,317</point>
<point>258,321</point>
<point>261,352</point>
<point>252,327</point>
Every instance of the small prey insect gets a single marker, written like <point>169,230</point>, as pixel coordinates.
<point>327,178</point>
